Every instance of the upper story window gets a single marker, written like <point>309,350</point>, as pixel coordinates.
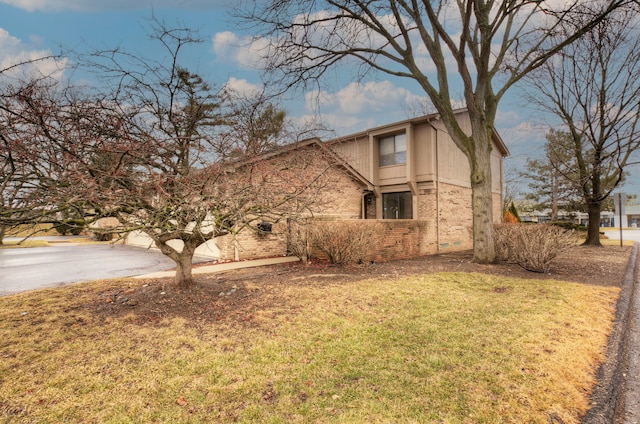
<point>393,150</point>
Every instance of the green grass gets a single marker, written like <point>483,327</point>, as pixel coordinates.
<point>451,347</point>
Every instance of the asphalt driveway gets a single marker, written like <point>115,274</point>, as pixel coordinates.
<point>39,267</point>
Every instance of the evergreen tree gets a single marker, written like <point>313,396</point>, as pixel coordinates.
<point>552,177</point>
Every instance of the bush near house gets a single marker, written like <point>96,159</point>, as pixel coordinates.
<point>533,247</point>
<point>509,218</point>
<point>344,242</point>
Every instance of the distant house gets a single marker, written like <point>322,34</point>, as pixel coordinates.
<point>627,210</point>
<point>408,175</point>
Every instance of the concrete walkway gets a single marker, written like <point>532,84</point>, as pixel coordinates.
<point>225,266</point>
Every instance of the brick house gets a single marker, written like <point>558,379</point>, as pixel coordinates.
<point>407,178</point>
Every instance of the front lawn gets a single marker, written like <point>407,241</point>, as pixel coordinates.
<point>446,347</point>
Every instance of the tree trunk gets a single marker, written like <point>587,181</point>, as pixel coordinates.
<point>183,260</point>
<point>184,264</point>
<point>3,231</point>
<point>477,148</point>
<point>482,204</point>
<point>593,229</point>
<point>483,243</point>
<point>554,196</point>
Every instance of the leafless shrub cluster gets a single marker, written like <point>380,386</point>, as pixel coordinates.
<point>532,246</point>
<point>343,242</point>
<point>298,242</point>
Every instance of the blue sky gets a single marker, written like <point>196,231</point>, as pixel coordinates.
<point>31,28</point>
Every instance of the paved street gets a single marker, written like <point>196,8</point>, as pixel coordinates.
<point>38,267</point>
<point>633,235</point>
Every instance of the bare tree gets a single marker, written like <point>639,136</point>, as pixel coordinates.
<point>483,46</point>
<point>28,175</point>
<point>510,180</point>
<point>593,86</point>
<point>161,160</point>
<point>153,150</point>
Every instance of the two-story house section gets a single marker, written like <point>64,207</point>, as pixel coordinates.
<point>416,172</point>
<point>408,176</point>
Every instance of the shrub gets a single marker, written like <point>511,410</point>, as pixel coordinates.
<point>514,211</point>
<point>567,225</point>
<point>70,226</point>
<point>533,247</point>
<point>509,218</point>
<point>344,242</point>
<point>101,236</point>
<point>299,240</point>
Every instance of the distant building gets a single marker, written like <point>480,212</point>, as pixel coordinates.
<point>527,213</point>
<point>580,218</point>
<point>627,212</point>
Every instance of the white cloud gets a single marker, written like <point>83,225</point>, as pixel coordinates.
<point>7,41</point>
<point>245,51</point>
<point>522,133</point>
<point>243,87</point>
<point>225,44</point>
<point>103,5</point>
<point>370,97</point>
<point>358,106</point>
<point>507,118</point>
<point>20,61</point>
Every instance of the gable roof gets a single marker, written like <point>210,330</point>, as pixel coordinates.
<point>325,147</point>
<point>310,142</point>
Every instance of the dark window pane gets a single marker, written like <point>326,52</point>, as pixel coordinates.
<point>397,205</point>
<point>386,160</point>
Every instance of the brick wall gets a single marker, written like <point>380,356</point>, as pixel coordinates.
<point>253,244</point>
<point>497,208</point>
<point>342,200</point>
<point>396,239</point>
<point>335,195</point>
<point>400,239</point>
<point>456,218</point>
<point>341,197</point>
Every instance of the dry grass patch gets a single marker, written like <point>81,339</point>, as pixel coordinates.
<point>610,242</point>
<point>448,347</point>
<point>24,243</point>
<point>27,230</point>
